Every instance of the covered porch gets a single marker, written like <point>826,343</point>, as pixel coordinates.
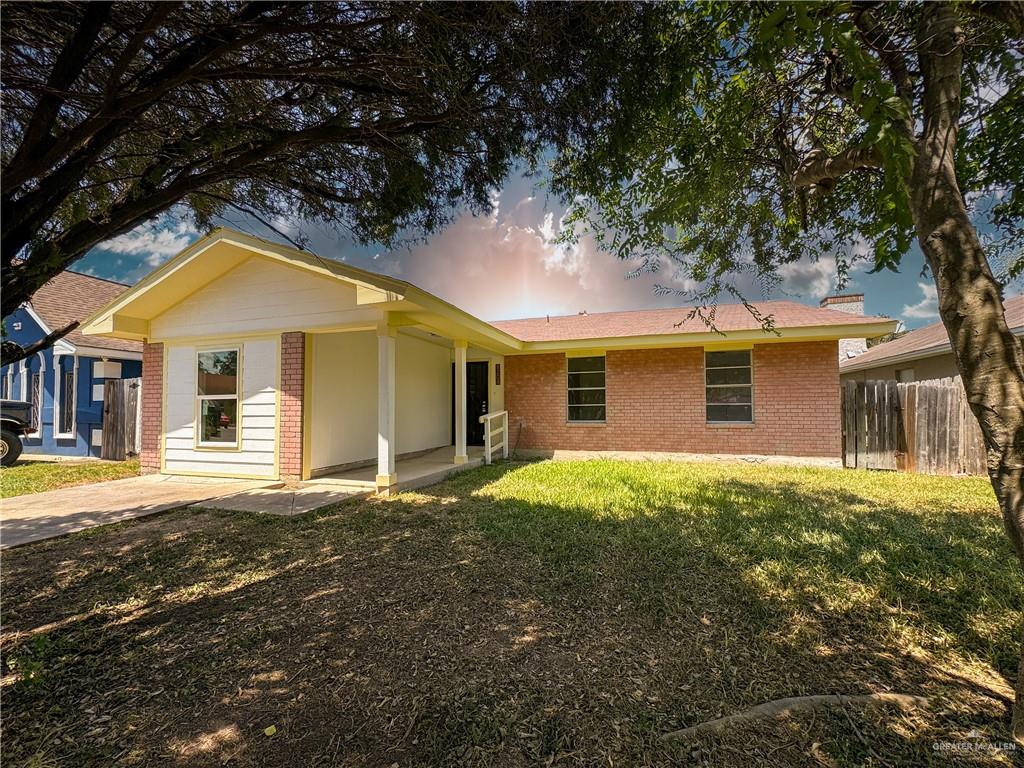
<point>395,407</point>
<point>412,471</point>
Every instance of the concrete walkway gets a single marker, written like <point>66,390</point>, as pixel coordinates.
<point>38,516</point>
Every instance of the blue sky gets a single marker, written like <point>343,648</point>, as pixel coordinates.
<point>507,265</point>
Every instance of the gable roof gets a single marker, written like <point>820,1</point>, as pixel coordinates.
<point>925,342</point>
<point>128,316</point>
<point>674,321</point>
<point>74,296</point>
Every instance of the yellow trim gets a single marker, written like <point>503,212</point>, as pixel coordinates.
<point>239,394</point>
<point>307,402</point>
<point>709,339</point>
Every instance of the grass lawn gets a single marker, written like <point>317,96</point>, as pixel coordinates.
<point>525,614</point>
<point>38,476</point>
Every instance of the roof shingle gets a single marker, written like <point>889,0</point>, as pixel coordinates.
<point>657,322</point>
<point>930,339</point>
<point>73,296</point>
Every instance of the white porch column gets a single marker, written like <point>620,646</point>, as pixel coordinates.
<point>387,476</point>
<point>460,402</point>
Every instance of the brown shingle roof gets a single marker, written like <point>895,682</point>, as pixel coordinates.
<point>656,322</point>
<point>924,342</point>
<point>73,296</point>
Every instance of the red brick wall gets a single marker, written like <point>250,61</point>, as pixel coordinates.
<point>293,366</point>
<point>152,406</point>
<point>655,402</point>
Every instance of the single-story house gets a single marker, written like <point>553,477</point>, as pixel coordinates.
<point>64,383</point>
<point>919,355</point>
<point>264,361</point>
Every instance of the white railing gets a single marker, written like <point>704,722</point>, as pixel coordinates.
<point>492,432</point>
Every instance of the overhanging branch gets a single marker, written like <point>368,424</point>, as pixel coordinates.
<point>819,169</point>
<point>12,352</point>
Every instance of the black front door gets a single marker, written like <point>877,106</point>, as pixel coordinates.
<point>476,402</point>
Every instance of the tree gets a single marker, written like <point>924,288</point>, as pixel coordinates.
<point>374,116</point>
<point>767,133</point>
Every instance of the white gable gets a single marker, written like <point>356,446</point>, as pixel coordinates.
<point>260,295</point>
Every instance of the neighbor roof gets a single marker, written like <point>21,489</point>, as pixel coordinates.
<point>73,296</point>
<point>673,321</point>
<point>925,342</point>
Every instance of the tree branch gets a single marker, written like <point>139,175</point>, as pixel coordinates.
<point>819,169</point>
<point>1009,12</point>
<point>12,352</point>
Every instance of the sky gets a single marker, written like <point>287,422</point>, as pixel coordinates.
<point>507,264</point>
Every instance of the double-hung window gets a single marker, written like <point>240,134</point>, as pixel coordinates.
<point>217,395</point>
<point>586,389</point>
<point>729,386</point>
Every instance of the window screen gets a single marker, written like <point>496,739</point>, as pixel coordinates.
<point>586,389</point>
<point>729,386</point>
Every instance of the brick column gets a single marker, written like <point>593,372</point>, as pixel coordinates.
<point>152,407</point>
<point>293,368</point>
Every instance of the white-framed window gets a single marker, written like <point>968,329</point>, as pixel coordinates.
<point>217,387</point>
<point>37,403</point>
<point>586,390</point>
<point>65,378</point>
<point>729,386</point>
<point>904,374</point>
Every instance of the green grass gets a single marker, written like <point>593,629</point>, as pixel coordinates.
<point>38,476</point>
<point>525,614</point>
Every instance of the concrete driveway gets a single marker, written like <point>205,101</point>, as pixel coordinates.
<point>38,516</point>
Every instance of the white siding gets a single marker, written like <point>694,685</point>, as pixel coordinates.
<point>344,407</point>
<point>258,408</point>
<point>424,400</point>
<point>344,397</point>
<point>261,295</point>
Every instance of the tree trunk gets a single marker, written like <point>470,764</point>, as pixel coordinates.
<point>989,357</point>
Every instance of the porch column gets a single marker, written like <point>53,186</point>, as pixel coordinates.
<point>460,402</point>
<point>387,477</point>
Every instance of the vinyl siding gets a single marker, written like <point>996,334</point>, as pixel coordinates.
<point>258,407</point>
<point>257,296</point>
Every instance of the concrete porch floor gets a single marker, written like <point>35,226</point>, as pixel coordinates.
<point>414,472</point>
<point>323,491</point>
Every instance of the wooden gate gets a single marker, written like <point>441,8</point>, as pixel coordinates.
<point>121,419</point>
<point>921,426</point>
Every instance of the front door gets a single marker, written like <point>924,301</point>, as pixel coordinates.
<point>476,401</point>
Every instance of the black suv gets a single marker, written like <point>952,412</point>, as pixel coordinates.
<point>15,421</point>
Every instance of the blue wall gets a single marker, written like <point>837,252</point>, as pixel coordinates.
<point>88,414</point>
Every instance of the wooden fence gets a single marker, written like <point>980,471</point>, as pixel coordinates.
<point>122,416</point>
<point>921,426</point>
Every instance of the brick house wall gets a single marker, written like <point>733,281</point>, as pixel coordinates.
<point>655,402</point>
<point>152,407</point>
<point>293,367</point>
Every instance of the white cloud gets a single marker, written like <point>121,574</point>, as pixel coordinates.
<point>156,240</point>
<point>814,279</point>
<point>928,307</point>
<point>499,267</point>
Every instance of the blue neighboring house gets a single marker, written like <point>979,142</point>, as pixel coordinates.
<point>65,382</point>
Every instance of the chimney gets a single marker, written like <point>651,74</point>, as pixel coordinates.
<point>851,304</point>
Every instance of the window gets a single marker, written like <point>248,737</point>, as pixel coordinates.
<point>217,393</point>
<point>5,387</point>
<point>65,372</point>
<point>497,374</point>
<point>905,374</point>
<point>37,400</point>
<point>729,386</point>
<point>586,389</point>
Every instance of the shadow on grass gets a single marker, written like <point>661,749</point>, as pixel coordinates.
<point>513,615</point>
